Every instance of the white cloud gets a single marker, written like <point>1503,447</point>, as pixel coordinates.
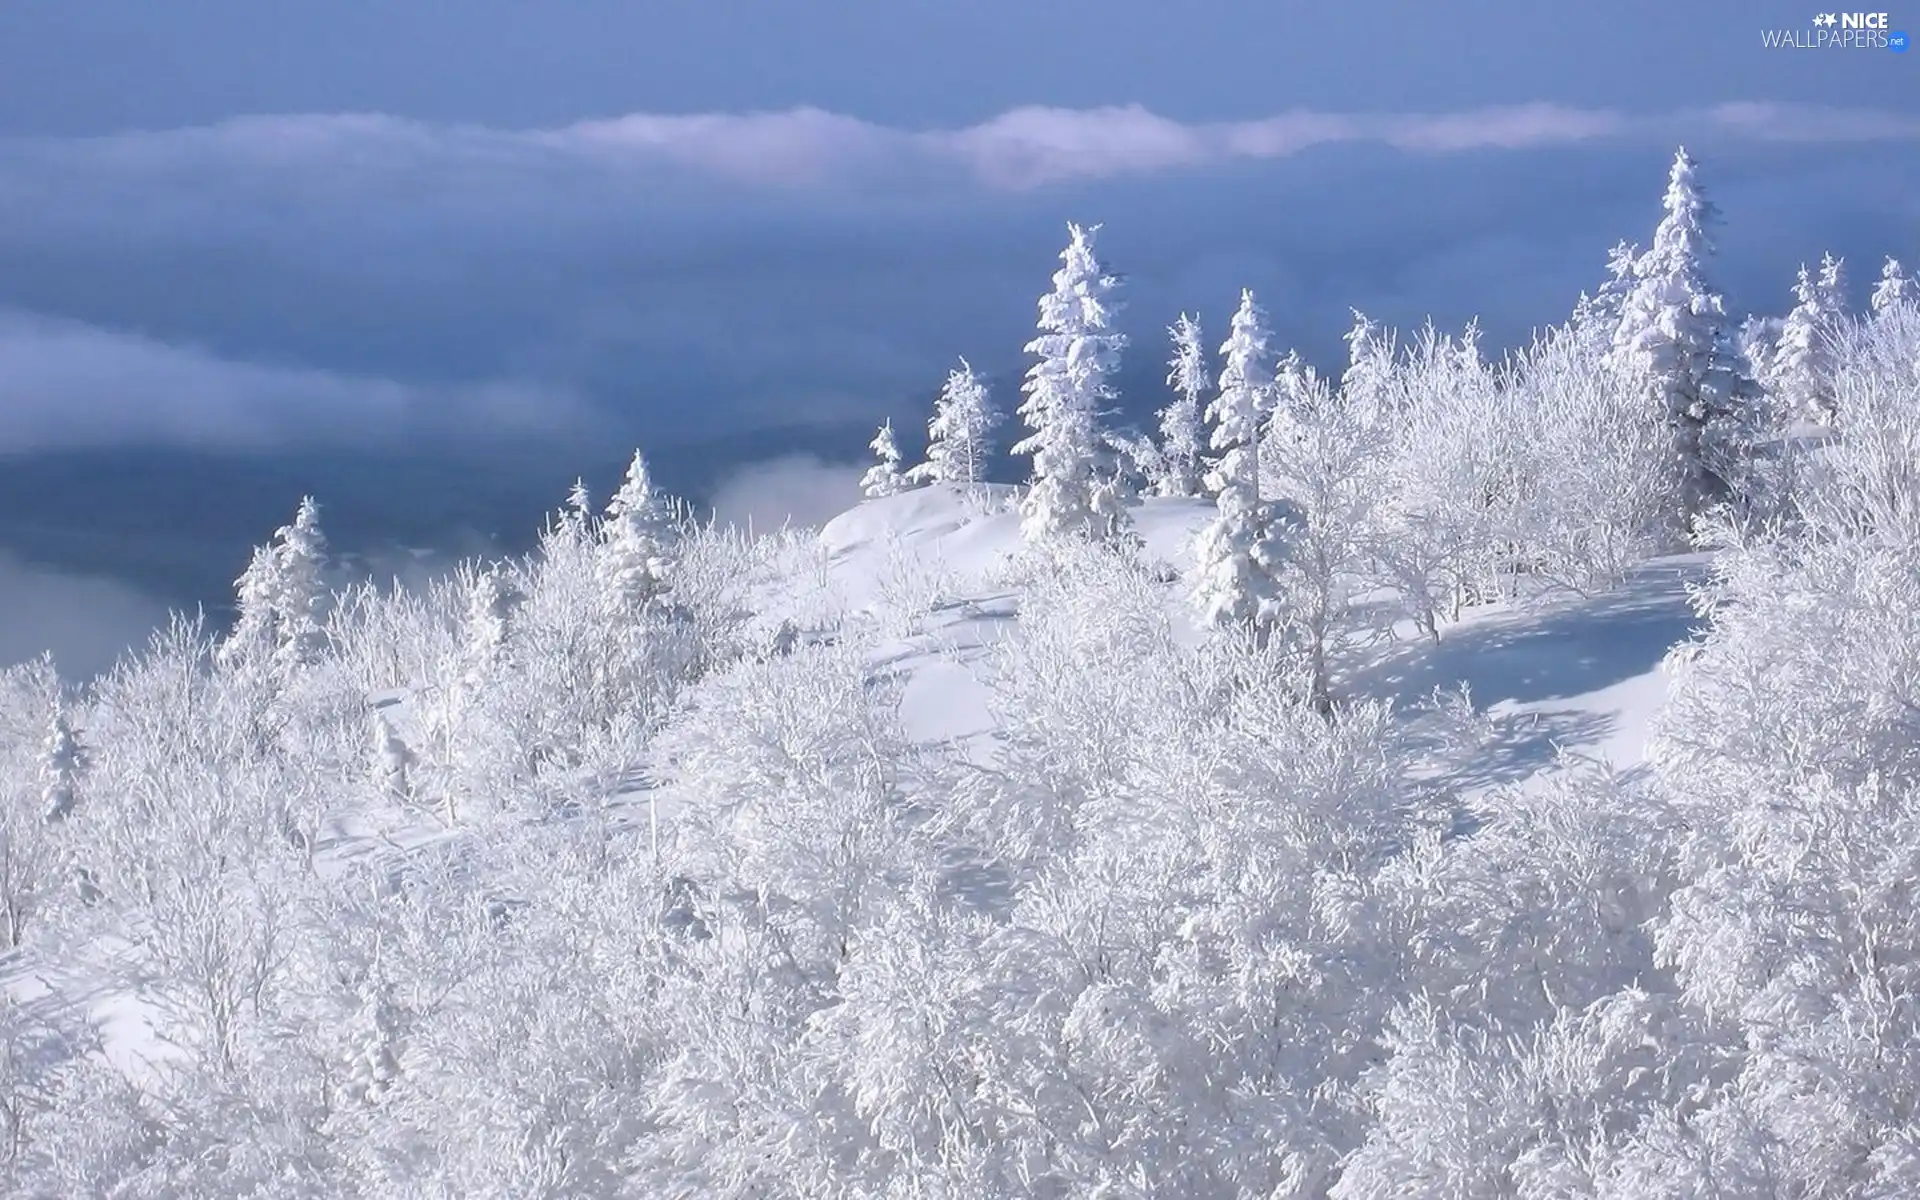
<point>72,385</point>
<point>87,622</point>
<point>700,274</point>
<point>800,490</point>
<point>808,148</point>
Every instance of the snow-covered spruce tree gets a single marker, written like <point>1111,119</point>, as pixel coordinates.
<point>636,541</point>
<point>60,761</point>
<point>1067,390</point>
<point>576,519</point>
<point>883,478</point>
<point>1672,345</point>
<point>1367,386</point>
<point>280,600</point>
<point>957,437</point>
<point>256,625</point>
<point>490,601</point>
<point>1597,316</point>
<point>1802,365</point>
<point>1893,287</point>
<point>1238,555</point>
<point>300,603</point>
<point>1182,431</point>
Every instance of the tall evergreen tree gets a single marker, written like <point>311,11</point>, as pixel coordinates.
<point>635,542</point>
<point>302,557</point>
<point>1239,554</point>
<point>1672,342</point>
<point>60,762</point>
<point>1800,372</point>
<point>1182,428</point>
<point>1893,288</point>
<point>1368,383</point>
<point>256,626</point>
<point>1067,389</point>
<point>963,420</point>
<point>883,478</point>
<point>279,598</point>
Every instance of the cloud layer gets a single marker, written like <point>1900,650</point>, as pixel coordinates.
<point>86,622</point>
<point>368,279</point>
<point>75,386</point>
<point>797,490</point>
<point>811,149</point>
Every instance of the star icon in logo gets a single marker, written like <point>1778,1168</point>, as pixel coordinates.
<point>1825,19</point>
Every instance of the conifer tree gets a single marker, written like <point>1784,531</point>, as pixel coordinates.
<point>1239,554</point>
<point>1067,389</point>
<point>635,542</point>
<point>279,598</point>
<point>883,478</point>
<point>1671,343</point>
<point>1801,366</point>
<point>301,557</point>
<point>963,419</point>
<point>1893,288</point>
<point>60,762</point>
<point>1182,429</point>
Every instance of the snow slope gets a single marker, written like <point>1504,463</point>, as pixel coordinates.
<point>1575,675</point>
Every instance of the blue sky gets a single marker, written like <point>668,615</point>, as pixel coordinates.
<point>267,228</point>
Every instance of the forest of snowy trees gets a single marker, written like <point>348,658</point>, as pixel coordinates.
<point>622,869</point>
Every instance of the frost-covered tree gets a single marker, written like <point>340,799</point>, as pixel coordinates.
<point>1788,745</point>
<point>256,625</point>
<point>301,558</point>
<point>1672,345</point>
<point>393,759</point>
<point>1067,390</point>
<point>576,520</point>
<point>636,540</point>
<point>1238,555</point>
<point>1367,385</point>
<point>883,478</point>
<point>1755,343</point>
<point>1596,317</point>
<point>490,600</point>
<point>1182,431</point>
<point>60,762</point>
<point>957,437</point>
<point>1329,469</point>
<point>1802,364</point>
<point>280,598</point>
<point>1453,481</point>
<point>1892,288</point>
<point>38,768</point>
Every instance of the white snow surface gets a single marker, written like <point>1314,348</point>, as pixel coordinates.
<point>1579,676</point>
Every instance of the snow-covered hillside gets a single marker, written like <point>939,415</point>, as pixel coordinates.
<point>1565,675</point>
<point>1402,818</point>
